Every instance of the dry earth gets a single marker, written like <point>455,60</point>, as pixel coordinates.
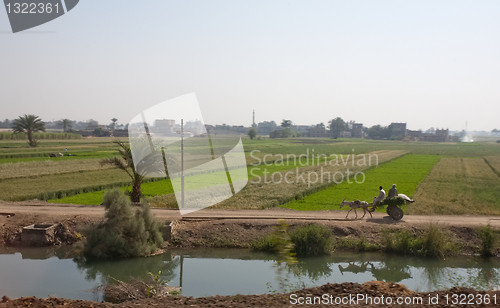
<point>380,291</point>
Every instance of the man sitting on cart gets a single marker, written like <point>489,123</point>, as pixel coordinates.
<point>381,196</point>
<point>393,192</point>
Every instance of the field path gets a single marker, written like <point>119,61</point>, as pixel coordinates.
<point>40,207</point>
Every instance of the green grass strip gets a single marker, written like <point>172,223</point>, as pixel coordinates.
<point>406,172</point>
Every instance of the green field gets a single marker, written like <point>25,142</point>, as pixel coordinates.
<point>459,186</point>
<point>27,173</point>
<point>164,187</point>
<point>406,172</point>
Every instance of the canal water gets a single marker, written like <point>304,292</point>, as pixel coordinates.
<point>50,271</point>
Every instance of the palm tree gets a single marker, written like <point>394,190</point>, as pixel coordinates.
<point>286,123</point>
<point>113,125</point>
<point>336,126</point>
<point>65,123</point>
<point>29,124</point>
<point>126,163</point>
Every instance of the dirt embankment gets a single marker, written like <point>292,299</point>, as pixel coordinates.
<point>369,294</point>
<point>237,233</point>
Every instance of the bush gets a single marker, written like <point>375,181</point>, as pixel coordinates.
<point>433,242</point>
<point>279,242</point>
<point>399,241</point>
<point>358,244</point>
<point>312,240</point>
<point>266,243</point>
<point>124,233</point>
<point>489,239</point>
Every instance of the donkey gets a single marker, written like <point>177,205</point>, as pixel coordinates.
<point>356,205</point>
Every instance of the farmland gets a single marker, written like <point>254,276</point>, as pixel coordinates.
<point>27,173</point>
<point>164,187</point>
<point>407,172</point>
<point>459,186</point>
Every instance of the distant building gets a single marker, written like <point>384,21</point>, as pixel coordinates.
<point>442,135</point>
<point>194,127</point>
<point>398,130</point>
<point>163,127</point>
<point>439,135</point>
<point>414,134</point>
<point>345,134</point>
<point>318,131</point>
<point>357,130</point>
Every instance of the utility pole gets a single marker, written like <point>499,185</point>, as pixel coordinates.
<point>182,163</point>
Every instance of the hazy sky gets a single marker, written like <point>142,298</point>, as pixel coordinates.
<point>427,63</point>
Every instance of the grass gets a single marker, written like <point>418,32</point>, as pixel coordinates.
<point>433,242</point>
<point>151,189</point>
<point>489,240</point>
<point>159,188</point>
<point>292,185</point>
<point>27,173</point>
<point>407,172</point>
<point>357,244</point>
<point>39,136</point>
<point>158,195</point>
<point>494,163</point>
<point>312,240</point>
<point>58,185</point>
<point>458,186</point>
<point>308,240</point>
<point>346,146</point>
<point>46,167</point>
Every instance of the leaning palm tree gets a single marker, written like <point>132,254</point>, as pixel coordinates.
<point>29,124</point>
<point>65,123</point>
<point>126,164</point>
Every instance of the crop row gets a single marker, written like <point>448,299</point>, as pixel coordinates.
<point>47,167</point>
<point>459,186</point>
<point>41,136</point>
<point>406,172</point>
<point>158,188</point>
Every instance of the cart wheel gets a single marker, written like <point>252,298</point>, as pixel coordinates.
<point>396,213</point>
<point>388,210</point>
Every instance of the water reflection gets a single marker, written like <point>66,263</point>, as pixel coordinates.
<point>123,269</point>
<point>230,271</point>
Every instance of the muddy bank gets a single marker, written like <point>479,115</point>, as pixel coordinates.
<point>239,233</point>
<point>235,233</point>
<point>68,229</point>
<point>339,295</point>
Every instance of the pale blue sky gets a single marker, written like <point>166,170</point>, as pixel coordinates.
<point>427,63</point>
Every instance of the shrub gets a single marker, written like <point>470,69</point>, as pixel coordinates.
<point>399,241</point>
<point>275,241</point>
<point>312,240</point>
<point>124,233</point>
<point>279,242</point>
<point>359,244</point>
<point>433,242</point>
<point>266,243</point>
<point>489,239</point>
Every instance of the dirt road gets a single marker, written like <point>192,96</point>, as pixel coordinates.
<point>40,207</point>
